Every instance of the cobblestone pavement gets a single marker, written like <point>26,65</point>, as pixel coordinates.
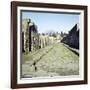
<point>53,60</point>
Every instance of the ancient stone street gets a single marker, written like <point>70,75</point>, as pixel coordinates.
<point>53,60</point>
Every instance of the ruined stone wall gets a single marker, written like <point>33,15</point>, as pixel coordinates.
<point>32,40</point>
<point>72,39</point>
<point>45,40</point>
<point>25,35</point>
<point>29,36</point>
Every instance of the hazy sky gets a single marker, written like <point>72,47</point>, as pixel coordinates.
<point>52,21</point>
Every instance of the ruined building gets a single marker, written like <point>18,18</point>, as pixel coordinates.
<point>29,36</point>
<point>32,40</point>
<point>72,39</point>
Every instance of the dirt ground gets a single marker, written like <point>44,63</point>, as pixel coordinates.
<point>53,60</point>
